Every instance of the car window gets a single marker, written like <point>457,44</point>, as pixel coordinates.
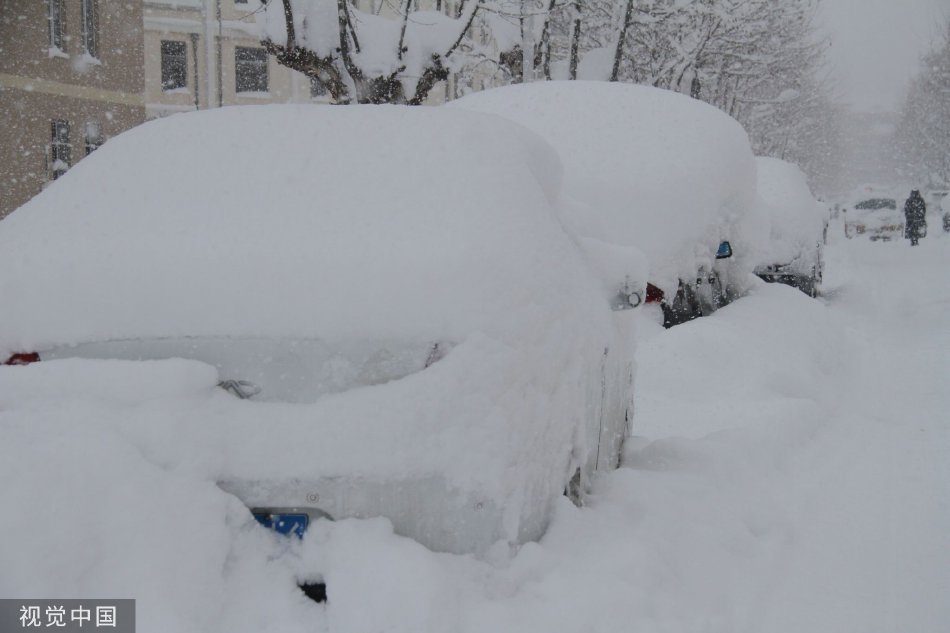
<point>877,203</point>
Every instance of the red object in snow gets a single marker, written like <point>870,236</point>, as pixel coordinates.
<point>654,294</point>
<point>22,358</point>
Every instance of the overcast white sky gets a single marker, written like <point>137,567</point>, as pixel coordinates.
<point>876,45</point>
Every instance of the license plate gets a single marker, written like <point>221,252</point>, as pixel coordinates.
<point>283,522</point>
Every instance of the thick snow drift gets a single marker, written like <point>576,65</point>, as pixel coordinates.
<point>292,222</point>
<point>654,169</point>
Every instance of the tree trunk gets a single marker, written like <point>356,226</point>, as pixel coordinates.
<point>542,54</point>
<point>621,41</point>
<point>575,41</point>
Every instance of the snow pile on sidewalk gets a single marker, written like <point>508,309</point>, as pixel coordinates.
<point>741,369</point>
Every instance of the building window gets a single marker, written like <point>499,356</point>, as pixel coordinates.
<point>61,152</point>
<point>90,28</point>
<point>55,16</point>
<point>250,69</point>
<point>92,132</point>
<point>317,88</point>
<point>174,65</point>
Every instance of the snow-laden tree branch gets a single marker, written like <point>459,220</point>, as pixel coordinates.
<point>363,57</point>
<point>923,134</point>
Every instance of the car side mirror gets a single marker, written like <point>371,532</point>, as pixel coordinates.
<point>243,389</point>
<point>626,298</point>
<point>725,250</point>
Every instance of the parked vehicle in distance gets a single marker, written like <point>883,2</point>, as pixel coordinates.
<point>430,346</point>
<point>935,199</point>
<point>650,170</point>
<point>876,214</point>
<point>798,227</point>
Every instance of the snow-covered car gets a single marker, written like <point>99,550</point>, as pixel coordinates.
<point>649,171</point>
<point>935,200</point>
<point>798,227</point>
<point>415,333</point>
<point>875,215</point>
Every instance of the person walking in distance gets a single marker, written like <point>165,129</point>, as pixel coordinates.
<point>915,211</point>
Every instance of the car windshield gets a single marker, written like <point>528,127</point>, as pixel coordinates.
<point>285,370</point>
<point>877,203</point>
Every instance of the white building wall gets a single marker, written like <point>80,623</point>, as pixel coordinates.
<point>212,30</point>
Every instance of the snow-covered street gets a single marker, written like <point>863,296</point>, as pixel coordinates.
<point>789,472</point>
<point>826,490</point>
<point>871,547</point>
<point>489,316</point>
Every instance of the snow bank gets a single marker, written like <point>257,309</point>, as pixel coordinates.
<point>740,370</point>
<point>796,219</point>
<point>655,170</point>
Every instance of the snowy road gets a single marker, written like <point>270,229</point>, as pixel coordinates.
<point>872,551</point>
<point>790,473</point>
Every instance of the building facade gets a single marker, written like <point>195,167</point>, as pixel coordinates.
<point>74,73</point>
<point>71,76</point>
<point>207,53</point>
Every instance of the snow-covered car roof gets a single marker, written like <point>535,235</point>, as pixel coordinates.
<point>654,169</point>
<point>293,221</point>
<point>796,218</point>
<point>872,193</point>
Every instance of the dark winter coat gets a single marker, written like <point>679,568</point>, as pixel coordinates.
<point>915,211</point>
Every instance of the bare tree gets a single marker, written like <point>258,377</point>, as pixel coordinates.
<point>419,55</point>
<point>621,41</point>
<point>758,60</point>
<point>923,134</point>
